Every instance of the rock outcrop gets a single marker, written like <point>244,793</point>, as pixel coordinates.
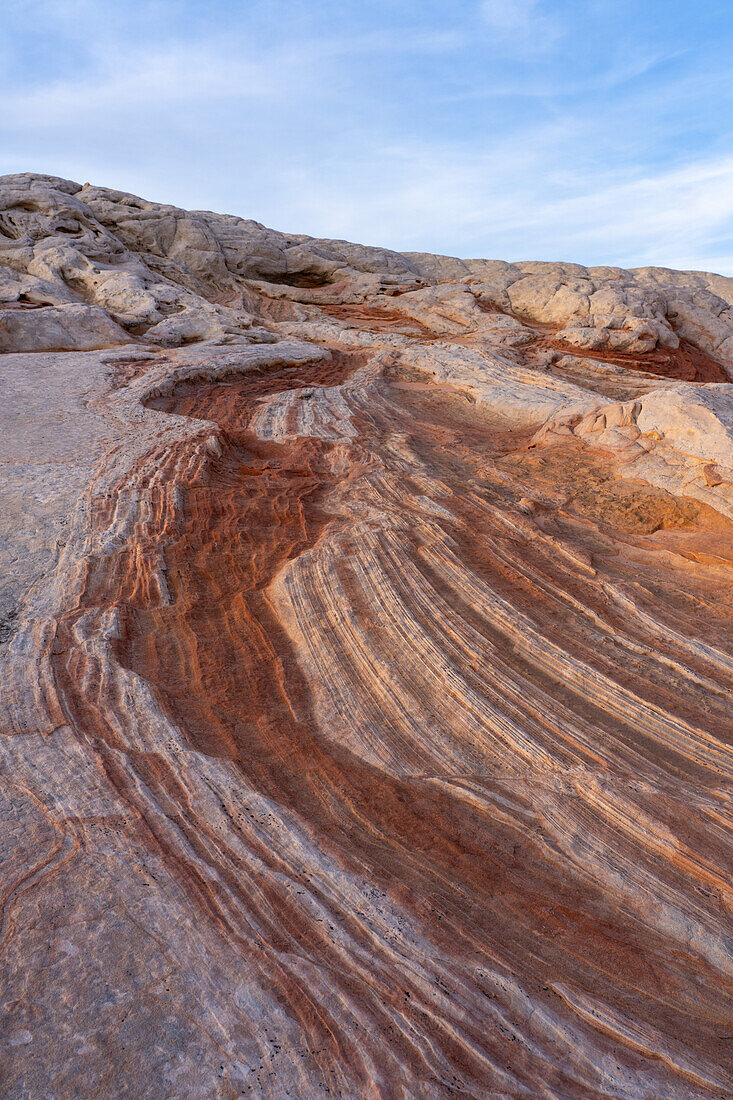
<point>366,663</point>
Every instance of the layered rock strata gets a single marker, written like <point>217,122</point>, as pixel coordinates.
<point>366,663</point>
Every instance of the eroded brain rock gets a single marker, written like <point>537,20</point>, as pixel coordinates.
<point>366,666</point>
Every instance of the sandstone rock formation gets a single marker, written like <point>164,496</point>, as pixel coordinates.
<point>366,662</point>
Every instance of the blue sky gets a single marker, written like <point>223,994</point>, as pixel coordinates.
<point>598,131</point>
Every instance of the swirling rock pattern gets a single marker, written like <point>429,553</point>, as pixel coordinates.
<point>366,660</point>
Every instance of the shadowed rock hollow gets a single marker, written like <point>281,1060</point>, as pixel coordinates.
<point>366,662</point>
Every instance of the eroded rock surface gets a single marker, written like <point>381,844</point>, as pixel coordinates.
<point>366,663</point>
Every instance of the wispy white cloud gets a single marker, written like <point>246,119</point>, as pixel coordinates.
<point>170,77</point>
<point>123,69</point>
<point>476,131</point>
<point>509,16</point>
<point>513,203</point>
<point>524,23</point>
<point>567,86</point>
<point>674,217</point>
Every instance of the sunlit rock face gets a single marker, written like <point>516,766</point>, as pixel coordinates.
<point>366,662</point>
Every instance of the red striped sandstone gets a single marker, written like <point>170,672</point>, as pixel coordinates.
<point>366,707</point>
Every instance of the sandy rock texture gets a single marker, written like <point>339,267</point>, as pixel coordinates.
<point>366,666</point>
